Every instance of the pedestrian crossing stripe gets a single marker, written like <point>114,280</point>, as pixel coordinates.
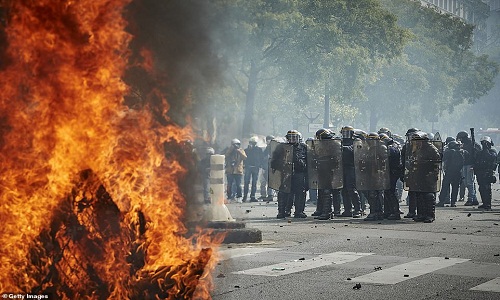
<point>408,270</point>
<point>489,286</point>
<point>239,252</point>
<point>306,264</point>
<point>389,276</point>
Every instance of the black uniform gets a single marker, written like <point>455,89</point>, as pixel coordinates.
<point>251,170</point>
<point>453,162</point>
<point>297,195</point>
<point>350,196</point>
<point>484,168</point>
<point>426,201</point>
<point>391,200</point>
<point>412,199</point>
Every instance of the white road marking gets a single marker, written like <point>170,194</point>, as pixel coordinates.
<point>238,252</point>
<point>409,270</point>
<point>306,264</point>
<point>489,286</point>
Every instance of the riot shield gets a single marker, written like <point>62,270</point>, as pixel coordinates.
<point>371,165</point>
<point>324,164</point>
<point>280,167</point>
<point>423,166</point>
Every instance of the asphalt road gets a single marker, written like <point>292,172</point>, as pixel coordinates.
<point>456,257</point>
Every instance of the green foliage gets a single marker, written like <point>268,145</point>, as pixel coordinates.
<point>438,62</point>
<point>299,50</point>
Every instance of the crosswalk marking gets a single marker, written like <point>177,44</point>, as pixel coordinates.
<point>489,286</point>
<point>239,252</point>
<point>389,276</point>
<point>409,270</point>
<point>306,264</point>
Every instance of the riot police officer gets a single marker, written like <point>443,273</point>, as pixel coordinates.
<point>412,200</point>
<point>468,170</point>
<point>350,196</point>
<point>484,168</point>
<point>391,200</point>
<point>423,171</point>
<point>372,172</point>
<point>453,163</point>
<point>291,159</point>
<point>325,171</point>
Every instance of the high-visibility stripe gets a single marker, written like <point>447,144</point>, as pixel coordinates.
<point>409,270</point>
<point>306,264</point>
<point>489,286</point>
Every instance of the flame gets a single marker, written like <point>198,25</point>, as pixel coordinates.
<point>62,112</point>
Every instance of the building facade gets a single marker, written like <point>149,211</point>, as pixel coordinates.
<point>484,14</point>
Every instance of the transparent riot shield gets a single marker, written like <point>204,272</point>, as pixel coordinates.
<point>324,164</point>
<point>280,167</point>
<point>371,165</point>
<point>423,166</point>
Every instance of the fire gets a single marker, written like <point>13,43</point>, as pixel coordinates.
<point>90,207</point>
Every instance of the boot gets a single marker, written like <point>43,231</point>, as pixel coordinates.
<point>356,202</point>
<point>373,215</point>
<point>289,205</point>
<point>388,208</point>
<point>319,205</point>
<point>412,205</point>
<point>282,198</point>
<point>485,191</point>
<point>300,205</point>
<point>326,198</point>
<point>430,208</point>
<point>336,202</point>
<point>419,217</point>
<point>394,203</point>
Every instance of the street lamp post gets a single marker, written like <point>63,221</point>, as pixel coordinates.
<point>326,117</point>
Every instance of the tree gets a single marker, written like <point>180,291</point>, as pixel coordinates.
<point>304,46</point>
<point>437,72</point>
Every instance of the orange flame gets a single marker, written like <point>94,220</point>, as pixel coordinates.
<point>62,112</point>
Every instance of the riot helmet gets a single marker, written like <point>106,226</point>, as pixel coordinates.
<point>269,138</point>
<point>386,139</point>
<point>453,145</point>
<point>360,134</point>
<point>293,136</point>
<point>236,143</point>
<point>383,136</point>
<point>410,131</point>
<point>398,138</point>
<point>462,135</point>
<point>253,141</point>
<point>209,151</point>
<point>347,132</point>
<point>430,135</point>
<point>486,141</point>
<point>385,130</point>
<point>372,136</point>
<point>449,139</point>
<point>324,134</point>
<point>419,135</point>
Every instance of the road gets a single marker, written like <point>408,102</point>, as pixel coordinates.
<point>456,257</point>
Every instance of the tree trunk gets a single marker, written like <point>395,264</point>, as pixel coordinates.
<point>373,120</point>
<point>250,100</point>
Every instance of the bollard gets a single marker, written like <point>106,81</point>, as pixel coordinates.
<point>217,215</point>
<point>217,209</point>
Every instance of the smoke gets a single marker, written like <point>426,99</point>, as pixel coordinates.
<point>177,32</point>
